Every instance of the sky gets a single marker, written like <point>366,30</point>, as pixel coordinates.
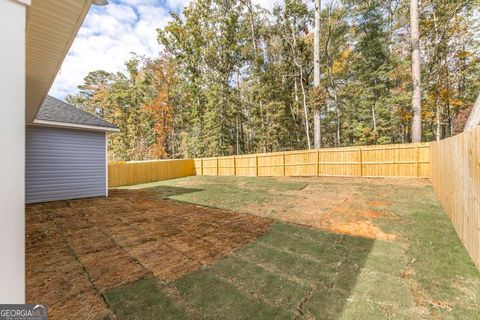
<point>111,33</point>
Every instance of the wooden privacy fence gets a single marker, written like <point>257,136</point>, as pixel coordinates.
<point>402,160</point>
<point>130,173</point>
<point>455,176</point>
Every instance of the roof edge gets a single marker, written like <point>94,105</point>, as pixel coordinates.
<point>25,2</point>
<point>37,89</point>
<point>47,123</point>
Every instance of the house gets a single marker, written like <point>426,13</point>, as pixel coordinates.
<point>66,154</point>
<point>35,36</point>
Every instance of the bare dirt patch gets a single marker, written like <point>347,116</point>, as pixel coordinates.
<point>78,249</point>
<point>336,205</point>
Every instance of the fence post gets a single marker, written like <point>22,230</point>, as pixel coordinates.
<point>283,163</point>
<point>416,161</point>
<point>201,166</point>
<point>318,163</point>
<point>217,164</point>
<point>234,166</point>
<point>151,172</point>
<point>256,165</point>
<point>360,161</point>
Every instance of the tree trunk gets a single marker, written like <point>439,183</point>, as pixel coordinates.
<point>438,112</point>
<point>337,115</point>
<point>305,109</point>
<point>438,120</point>
<point>474,118</point>
<point>252,26</point>
<point>316,76</point>
<point>302,86</point>
<point>416,94</point>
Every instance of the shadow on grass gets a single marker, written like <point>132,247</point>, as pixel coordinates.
<point>231,193</point>
<point>293,271</point>
<point>166,192</point>
<point>290,272</point>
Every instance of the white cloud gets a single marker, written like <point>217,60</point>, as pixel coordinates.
<point>107,38</point>
<point>123,13</point>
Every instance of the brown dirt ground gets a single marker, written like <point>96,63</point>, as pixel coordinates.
<point>323,204</point>
<point>77,249</point>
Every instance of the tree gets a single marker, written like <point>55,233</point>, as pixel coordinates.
<point>293,23</point>
<point>316,76</point>
<point>207,48</point>
<point>450,54</point>
<point>159,80</point>
<point>234,78</point>
<point>416,90</point>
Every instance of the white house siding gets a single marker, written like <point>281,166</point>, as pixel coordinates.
<point>12,147</point>
<point>64,164</point>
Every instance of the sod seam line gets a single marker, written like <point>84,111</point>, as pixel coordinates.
<point>89,277</point>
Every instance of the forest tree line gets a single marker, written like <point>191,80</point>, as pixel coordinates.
<point>233,78</point>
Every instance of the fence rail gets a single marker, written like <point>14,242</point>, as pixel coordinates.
<point>455,176</point>
<point>403,160</point>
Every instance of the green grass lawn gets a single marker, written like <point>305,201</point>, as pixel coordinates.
<point>227,192</point>
<point>297,272</point>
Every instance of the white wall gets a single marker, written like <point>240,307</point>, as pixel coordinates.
<point>12,148</point>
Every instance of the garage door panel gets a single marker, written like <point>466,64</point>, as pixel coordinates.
<point>64,164</point>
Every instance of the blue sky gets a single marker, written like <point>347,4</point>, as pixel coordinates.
<point>110,33</point>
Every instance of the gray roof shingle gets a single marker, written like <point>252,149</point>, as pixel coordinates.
<point>56,110</point>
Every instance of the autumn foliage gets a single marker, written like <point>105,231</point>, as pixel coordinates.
<point>233,78</point>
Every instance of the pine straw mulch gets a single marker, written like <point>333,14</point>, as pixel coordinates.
<point>78,249</point>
